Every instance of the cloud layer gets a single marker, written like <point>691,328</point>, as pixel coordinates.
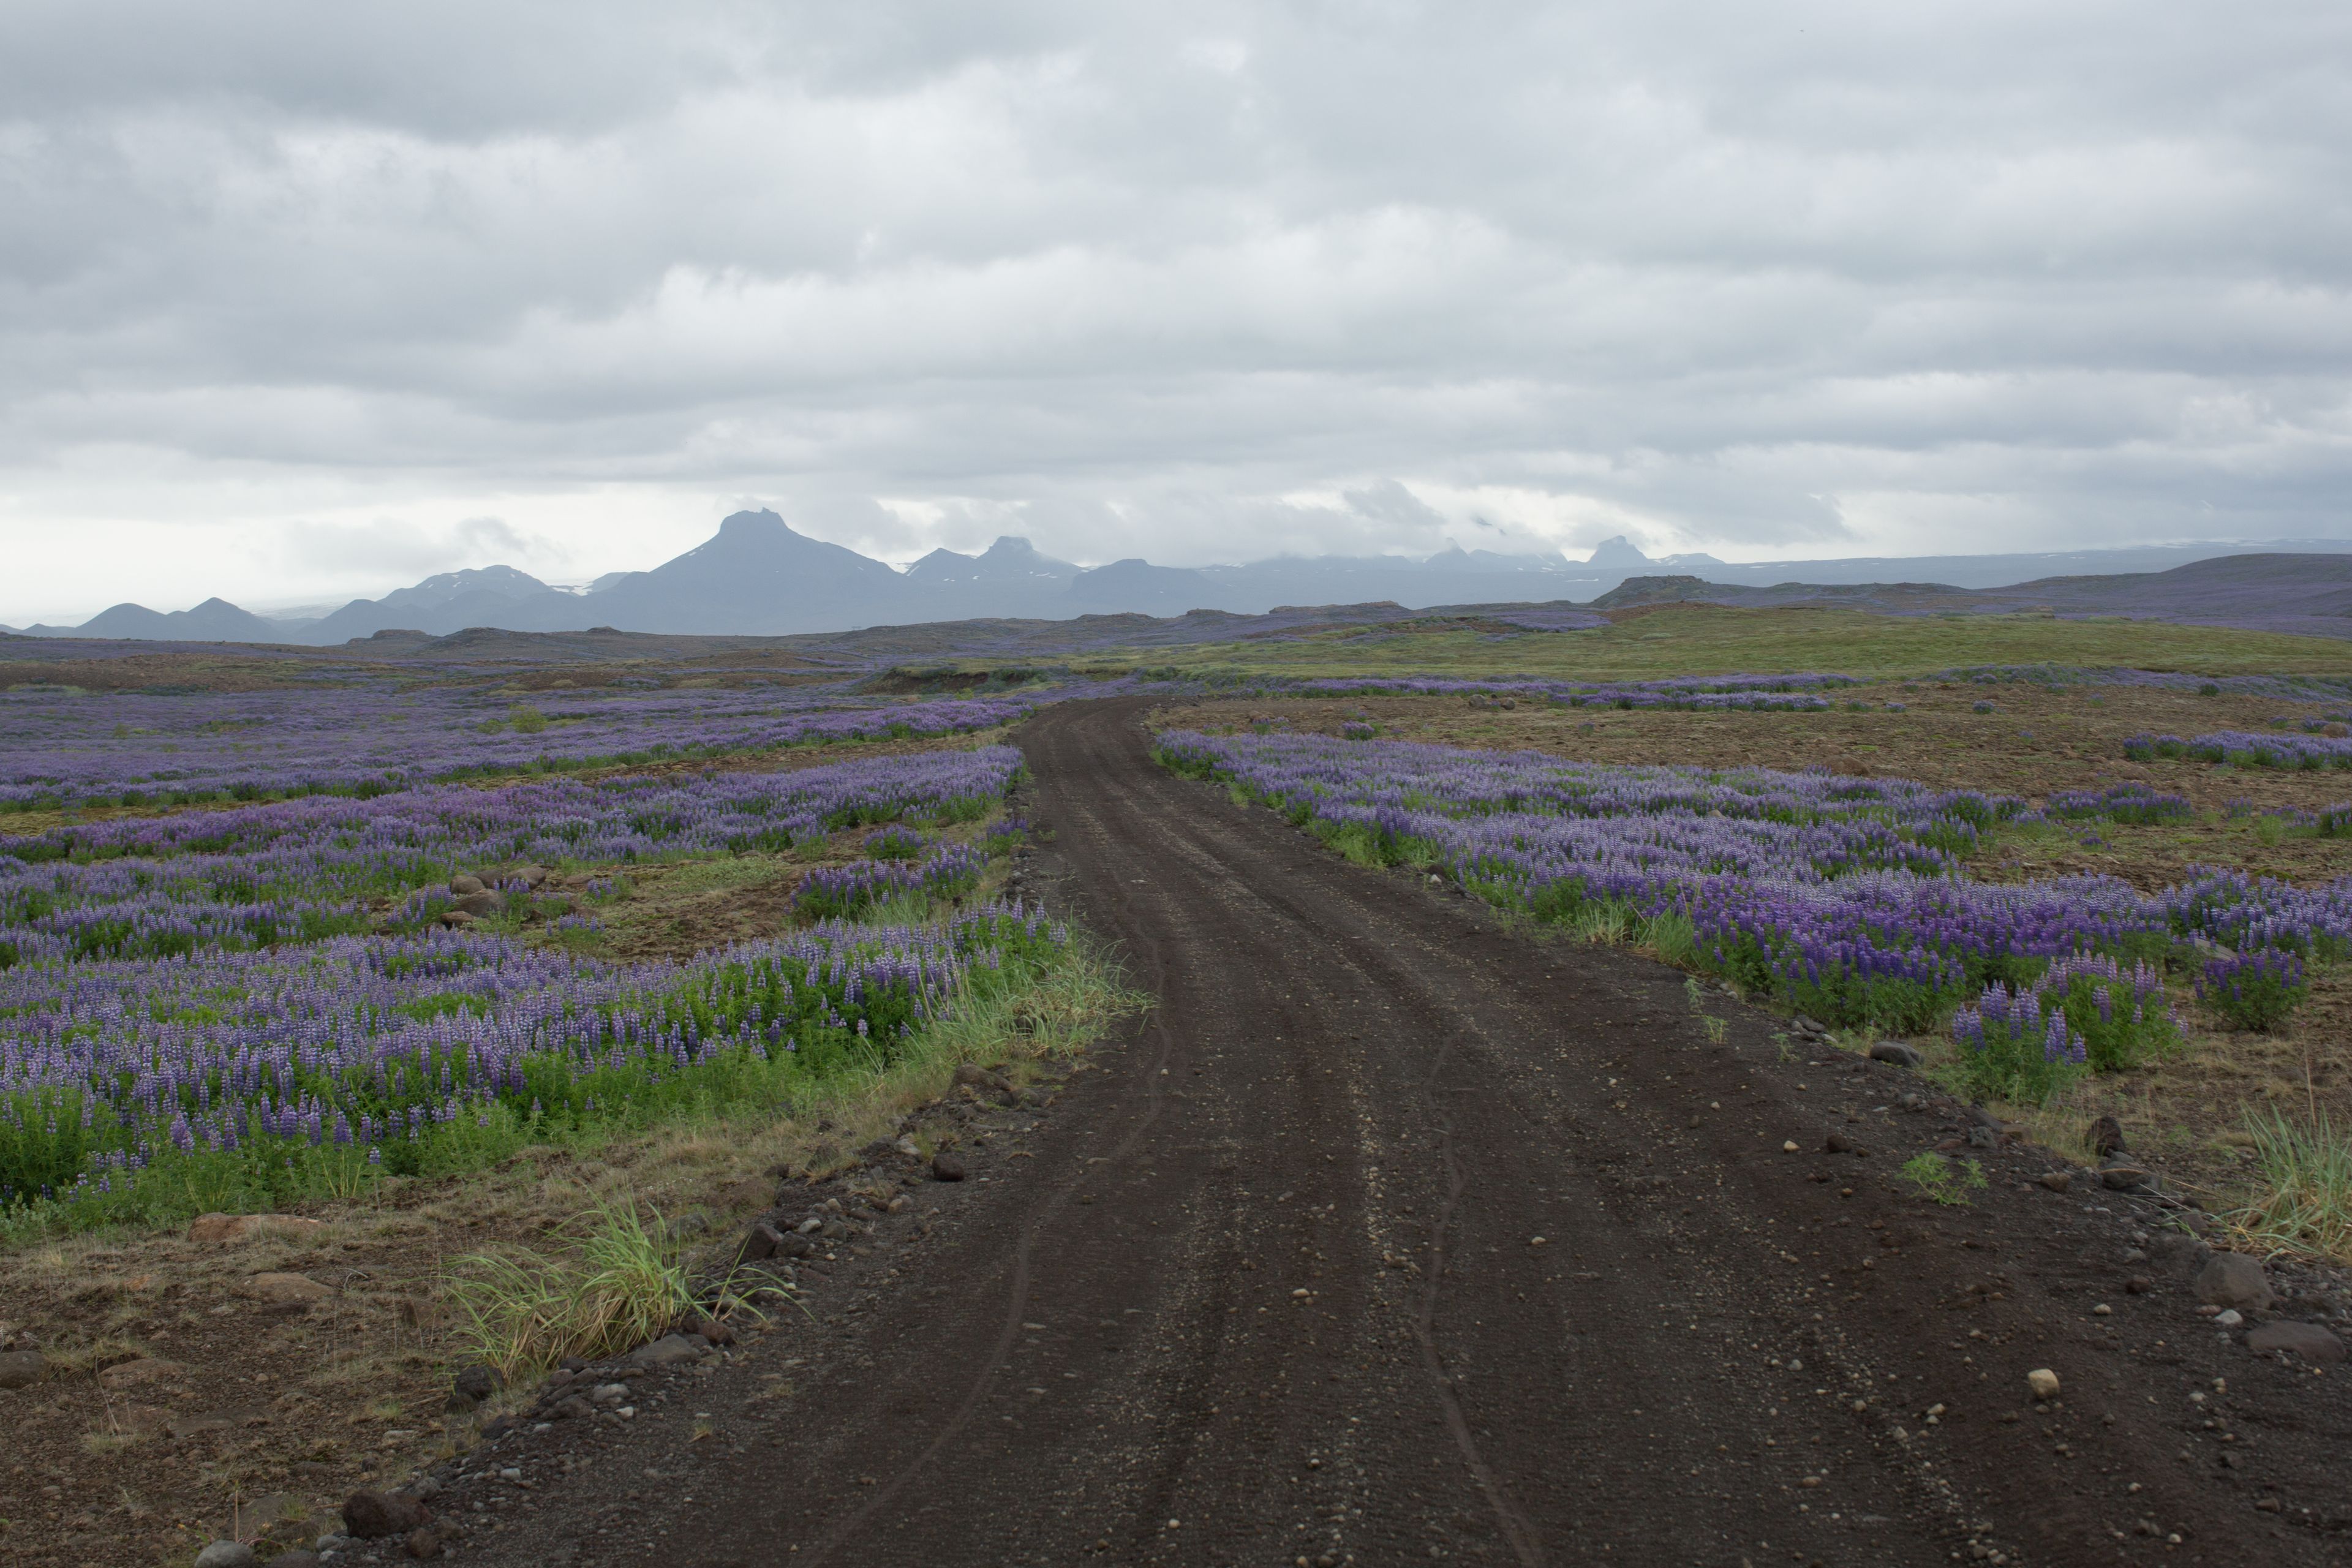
<point>302,300</point>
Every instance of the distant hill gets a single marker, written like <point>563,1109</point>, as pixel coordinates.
<point>481,596</point>
<point>214,620</point>
<point>2308,594</point>
<point>758,576</point>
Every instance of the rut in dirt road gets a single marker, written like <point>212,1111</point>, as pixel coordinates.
<point>1393,1237</point>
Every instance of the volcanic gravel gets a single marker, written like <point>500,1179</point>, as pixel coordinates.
<point>1395,1237</point>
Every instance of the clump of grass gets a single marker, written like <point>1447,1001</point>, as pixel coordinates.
<point>620,1285</point>
<point>1932,1177</point>
<point>2303,1197</point>
<point>1599,919</point>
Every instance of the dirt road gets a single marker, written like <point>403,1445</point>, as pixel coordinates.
<point>1394,1237</point>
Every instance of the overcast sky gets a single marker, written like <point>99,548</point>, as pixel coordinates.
<point>303,300</point>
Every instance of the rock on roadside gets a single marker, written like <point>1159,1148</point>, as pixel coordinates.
<point>22,1369</point>
<point>373,1515</point>
<point>2308,1340</point>
<point>284,1289</point>
<point>226,1554</point>
<point>2232,1280</point>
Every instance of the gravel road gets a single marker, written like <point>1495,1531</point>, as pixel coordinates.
<point>1394,1236</point>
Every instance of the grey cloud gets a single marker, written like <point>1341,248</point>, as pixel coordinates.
<point>1194,284</point>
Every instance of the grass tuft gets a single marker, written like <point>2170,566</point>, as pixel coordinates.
<point>2303,1197</point>
<point>622,1284</point>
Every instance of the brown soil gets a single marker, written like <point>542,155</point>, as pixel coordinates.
<point>2076,740</point>
<point>1395,1237</point>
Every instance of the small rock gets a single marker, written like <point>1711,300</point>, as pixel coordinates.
<point>2122,1174</point>
<point>1788,1147</point>
<point>877,1149</point>
<point>975,1075</point>
<point>455,918</point>
<point>22,1369</point>
<point>284,1289</point>
<point>1839,1143</point>
<point>2234,1280</point>
<point>2139,1284</point>
<point>2308,1340</point>
<point>219,1227</point>
<point>478,1382</point>
<point>422,1545</point>
<point>480,905</point>
<point>2043,1382</point>
<point>2229,1318</point>
<point>372,1515</point>
<point>2106,1137</point>
<point>133,1373</point>
<point>2057,1181</point>
<point>531,875</point>
<point>571,1408</point>
<point>947,1167</point>
<point>1912,1103</point>
<point>226,1554</point>
<point>760,1242</point>
<point>670,1350</point>
<point>462,884</point>
<point>1896,1052</point>
<point>1807,1026</point>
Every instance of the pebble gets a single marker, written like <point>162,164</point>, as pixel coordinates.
<point>947,1167</point>
<point>226,1554</point>
<point>2057,1181</point>
<point>22,1369</point>
<point>2229,1318</point>
<point>2043,1382</point>
<point>1896,1052</point>
<point>1788,1148</point>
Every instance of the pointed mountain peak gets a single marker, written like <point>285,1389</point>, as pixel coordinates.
<point>1618,554</point>
<point>752,525</point>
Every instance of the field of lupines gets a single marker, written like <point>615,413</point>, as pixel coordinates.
<point>139,750</point>
<point>248,1079</point>
<point>306,868</point>
<point>1847,899</point>
<point>1767,693</point>
<point>2247,748</point>
<point>233,1007</point>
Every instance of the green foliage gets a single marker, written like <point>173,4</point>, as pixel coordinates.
<point>1932,1177</point>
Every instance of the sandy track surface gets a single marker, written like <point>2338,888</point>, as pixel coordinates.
<point>1393,1237</point>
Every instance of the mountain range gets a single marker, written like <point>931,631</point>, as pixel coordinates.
<point>758,576</point>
